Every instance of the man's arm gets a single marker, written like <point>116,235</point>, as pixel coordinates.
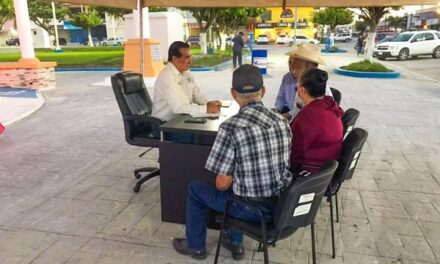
<point>280,101</point>
<point>223,182</point>
<point>167,88</point>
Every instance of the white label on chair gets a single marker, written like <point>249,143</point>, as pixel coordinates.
<point>355,158</point>
<point>306,197</point>
<point>302,209</point>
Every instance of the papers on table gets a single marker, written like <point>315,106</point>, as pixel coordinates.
<point>206,114</point>
<point>226,103</point>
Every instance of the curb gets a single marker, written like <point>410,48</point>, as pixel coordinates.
<point>87,69</point>
<point>40,104</point>
<point>378,75</point>
<point>336,51</point>
<point>202,69</point>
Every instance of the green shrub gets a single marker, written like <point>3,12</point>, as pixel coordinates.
<point>366,66</point>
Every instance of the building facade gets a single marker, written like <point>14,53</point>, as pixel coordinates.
<point>276,21</point>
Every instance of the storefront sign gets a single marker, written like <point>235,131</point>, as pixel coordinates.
<point>287,13</point>
<point>264,25</point>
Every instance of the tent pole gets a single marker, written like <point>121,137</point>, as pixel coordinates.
<point>141,35</point>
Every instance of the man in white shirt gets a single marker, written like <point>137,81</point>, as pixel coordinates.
<point>175,91</point>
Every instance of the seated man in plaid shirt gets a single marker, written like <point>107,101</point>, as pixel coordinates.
<point>251,159</point>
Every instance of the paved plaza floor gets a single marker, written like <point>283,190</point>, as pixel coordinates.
<point>66,179</point>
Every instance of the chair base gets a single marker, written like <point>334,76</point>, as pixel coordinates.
<point>153,172</point>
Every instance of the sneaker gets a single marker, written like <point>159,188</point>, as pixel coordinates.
<point>237,251</point>
<point>181,246</point>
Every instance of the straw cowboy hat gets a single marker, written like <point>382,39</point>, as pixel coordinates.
<point>308,52</point>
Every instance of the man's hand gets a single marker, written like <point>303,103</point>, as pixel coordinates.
<point>287,116</point>
<point>213,106</point>
<point>223,182</point>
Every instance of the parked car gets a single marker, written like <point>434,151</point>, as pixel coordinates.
<point>262,39</point>
<point>13,42</point>
<point>229,41</point>
<point>96,42</point>
<point>343,37</point>
<point>61,41</point>
<point>386,39</point>
<point>282,39</point>
<point>409,44</point>
<point>193,40</point>
<point>302,39</point>
<point>113,41</point>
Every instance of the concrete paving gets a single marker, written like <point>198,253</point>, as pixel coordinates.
<point>66,179</point>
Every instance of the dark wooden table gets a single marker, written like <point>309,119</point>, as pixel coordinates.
<point>180,164</point>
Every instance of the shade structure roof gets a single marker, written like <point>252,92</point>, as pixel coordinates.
<point>131,4</point>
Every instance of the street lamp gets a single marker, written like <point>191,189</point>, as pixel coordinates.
<point>55,25</point>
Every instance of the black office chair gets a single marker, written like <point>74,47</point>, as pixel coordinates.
<point>136,106</point>
<point>349,120</point>
<point>336,95</point>
<point>351,151</point>
<point>297,207</point>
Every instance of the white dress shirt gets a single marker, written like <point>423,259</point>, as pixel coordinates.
<point>176,93</point>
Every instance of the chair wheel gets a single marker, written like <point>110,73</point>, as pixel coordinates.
<point>136,188</point>
<point>137,175</point>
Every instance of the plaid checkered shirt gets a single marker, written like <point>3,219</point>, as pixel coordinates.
<point>253,147</point>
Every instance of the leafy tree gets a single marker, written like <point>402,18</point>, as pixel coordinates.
<point>157,9</point>
<point>205,18</point>
<point>87,20</point>
<point>115,15</point>
<point>396,22</point>
<point>360,26</point>
<point>372,16</point>
<point>333,16</point>
<point>229,19</point>
<point>7,11</point>
<point>40,12</point>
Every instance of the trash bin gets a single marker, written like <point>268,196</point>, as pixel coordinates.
<point>259,59</point>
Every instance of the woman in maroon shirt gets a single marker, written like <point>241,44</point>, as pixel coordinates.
<point>317,129</point>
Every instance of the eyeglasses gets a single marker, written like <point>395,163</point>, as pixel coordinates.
<point>291,61</point>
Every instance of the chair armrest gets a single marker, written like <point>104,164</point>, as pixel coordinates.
<point>149,119</point>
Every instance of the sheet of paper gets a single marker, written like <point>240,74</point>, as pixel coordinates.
<point>226,103</point>
<point>206,114</point>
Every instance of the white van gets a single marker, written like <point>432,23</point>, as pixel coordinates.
<point>343,37</point>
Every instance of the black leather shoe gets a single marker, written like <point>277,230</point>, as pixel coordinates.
<point>181,247</point>
<point>237,251</point>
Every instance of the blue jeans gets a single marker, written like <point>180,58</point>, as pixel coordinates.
<point>174,137</point>
<point>202,197</point>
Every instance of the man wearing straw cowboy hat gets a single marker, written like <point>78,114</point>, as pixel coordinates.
<point>302,57</point>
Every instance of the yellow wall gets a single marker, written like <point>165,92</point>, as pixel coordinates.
<point>272,33</point>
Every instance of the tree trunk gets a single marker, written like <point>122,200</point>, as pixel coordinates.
<point>215,39</point>
<point>90,37</point>
<point>203,47</point>
<point>369,46</point>
<point>223,38</point>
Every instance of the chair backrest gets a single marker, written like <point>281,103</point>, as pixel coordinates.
<point>349,120</point>
<point>299,202</point>
<point>351,151</point>
<point>133,100</point>
<point>336,95</point>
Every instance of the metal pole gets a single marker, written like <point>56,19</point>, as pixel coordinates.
<point>24,29</point>
<point>55,26</point>
<point>295,25</point>
<point>141,34</point>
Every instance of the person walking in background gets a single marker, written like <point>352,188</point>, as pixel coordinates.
<point>237,49</point>
<point>360,44</point>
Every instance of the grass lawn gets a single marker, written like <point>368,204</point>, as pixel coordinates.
<point>107,57</point>
<point>366,66</point>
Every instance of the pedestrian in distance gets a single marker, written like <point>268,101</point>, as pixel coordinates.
<point>237,49</point>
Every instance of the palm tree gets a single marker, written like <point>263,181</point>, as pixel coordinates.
<point>372,16</point>
<point>7,11</point>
